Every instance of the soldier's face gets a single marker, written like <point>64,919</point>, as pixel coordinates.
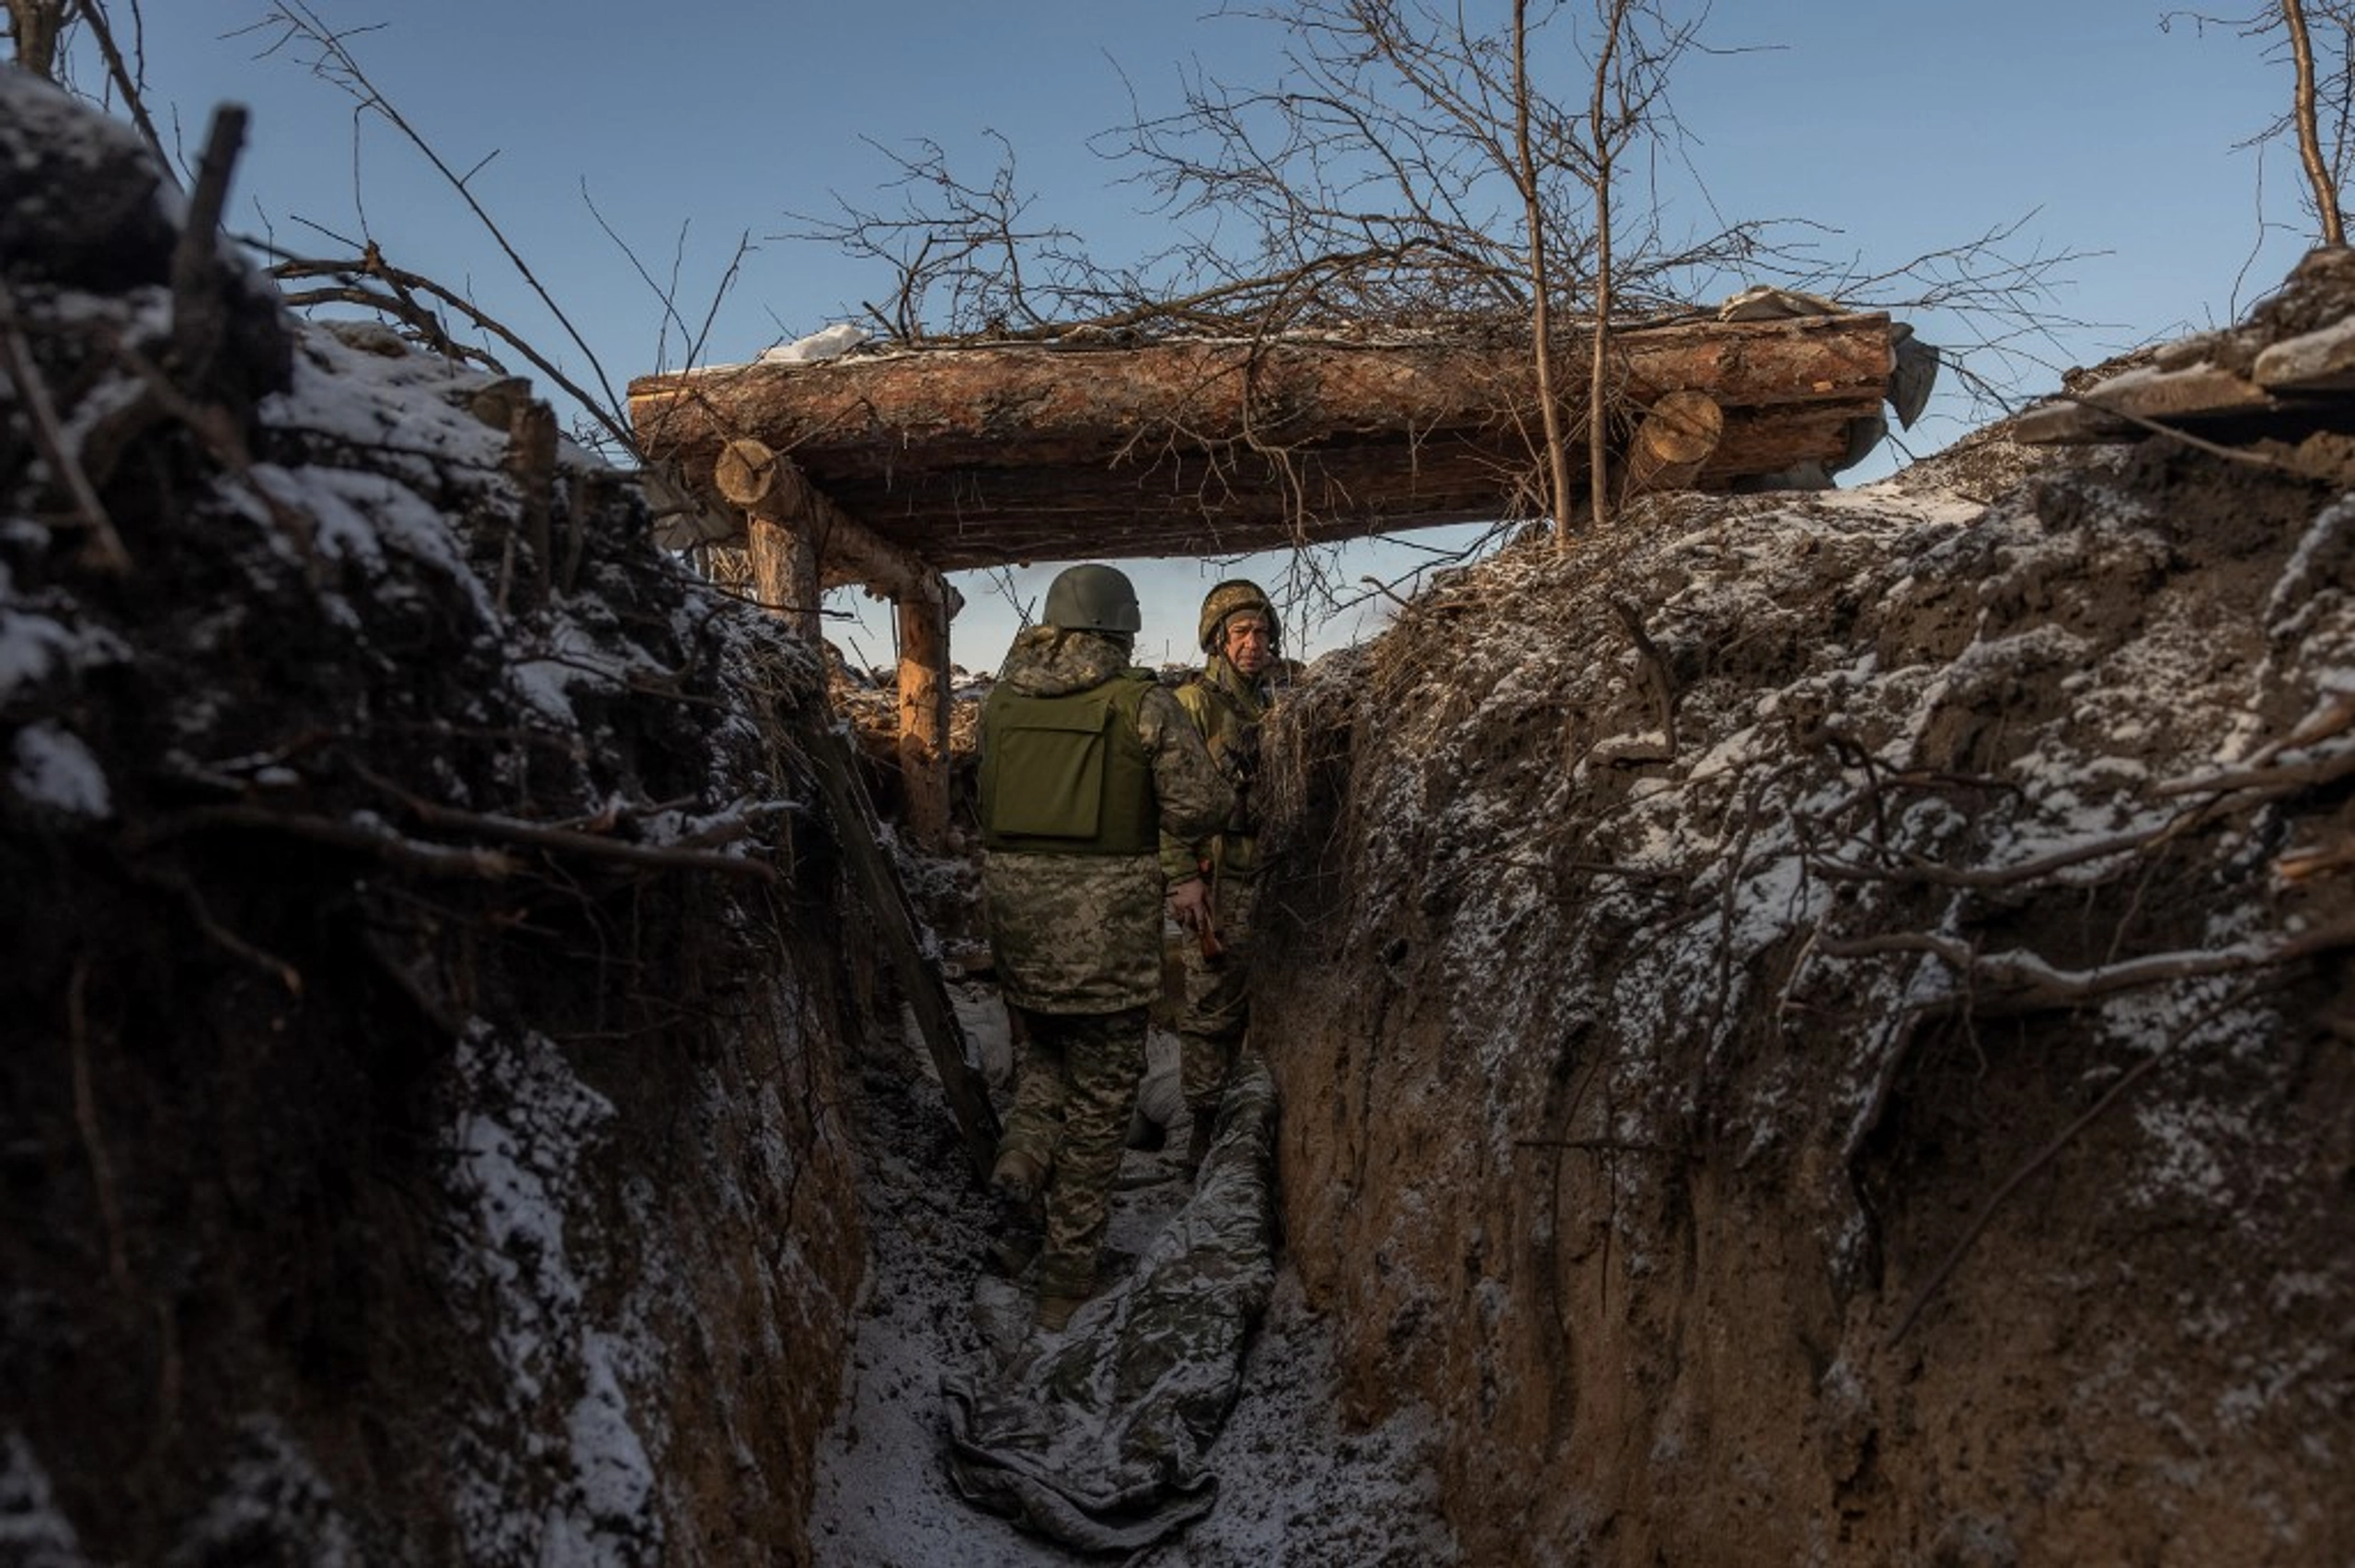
<point>1247,645</point>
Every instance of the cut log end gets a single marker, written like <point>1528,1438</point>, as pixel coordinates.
<point>1680,434</point>
<point>744,472</point>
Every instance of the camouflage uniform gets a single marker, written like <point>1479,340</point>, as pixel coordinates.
<point>1077,942</point>
<point>1227,708</point>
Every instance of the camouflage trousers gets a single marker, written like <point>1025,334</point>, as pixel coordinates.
<point>1071,1098</point>
<point>1217,1007</point>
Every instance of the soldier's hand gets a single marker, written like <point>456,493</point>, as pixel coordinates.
<point>1190,906</point>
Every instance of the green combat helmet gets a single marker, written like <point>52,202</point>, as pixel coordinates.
<point>1233,594</point>
<point>1093,599</point>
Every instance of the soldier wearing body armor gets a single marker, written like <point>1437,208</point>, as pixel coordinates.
<point>1213,877</point>
<point>1087,765</point>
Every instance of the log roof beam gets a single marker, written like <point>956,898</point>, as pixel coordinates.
<point>982,456</point>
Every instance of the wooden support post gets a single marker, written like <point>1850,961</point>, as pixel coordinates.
<point>784,571</point>
<point>812,544</point>
<point>923,718</point>
<point>784,558</point>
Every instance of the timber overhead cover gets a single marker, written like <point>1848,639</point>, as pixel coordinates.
<point>983,456</point>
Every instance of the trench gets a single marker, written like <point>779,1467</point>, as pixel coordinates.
<point>1295,1480</point>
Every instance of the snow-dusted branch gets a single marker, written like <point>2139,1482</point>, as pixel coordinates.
<point>362,831</point>
<point>2017,982</point>
<point>49,435</point>
<point>574,841</point>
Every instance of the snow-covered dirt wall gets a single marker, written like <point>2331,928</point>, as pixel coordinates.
<point>421,1130</point>
<point>1816,1029</point>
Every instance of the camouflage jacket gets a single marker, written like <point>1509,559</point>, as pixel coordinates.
<point>1227,709</point>
<point>1082,933</point>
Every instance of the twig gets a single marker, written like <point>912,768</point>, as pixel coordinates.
<point>369,837</point>
<point>335,58</point>
<point>372,265</point>
<point>2273,778</point>
<point>1658,685</point>
<point>568,841</point>
<point>2036,985</point>
<point>268,963</point>
<point>85,1117</point>
<point>17,357</point>
<point>2233,791</point>
<point>94,17</point>
<point>199,317</point>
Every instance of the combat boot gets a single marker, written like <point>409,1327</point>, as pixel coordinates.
<point>1018,1175</point>
<point>1018,1213</point>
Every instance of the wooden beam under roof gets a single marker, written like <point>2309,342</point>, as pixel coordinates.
<point>983,456</point>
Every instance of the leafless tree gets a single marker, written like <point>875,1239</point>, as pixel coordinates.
<point>2317,39</point>
<point>42,30</point>
<point>2321,176</point>
<point>1492,171</point>
<point>34,26</point>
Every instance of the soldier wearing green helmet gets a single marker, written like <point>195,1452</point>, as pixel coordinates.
<point>1214,876</point>
<point>1086,765</point>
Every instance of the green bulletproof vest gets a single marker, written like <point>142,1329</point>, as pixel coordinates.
<point>1068,774</point>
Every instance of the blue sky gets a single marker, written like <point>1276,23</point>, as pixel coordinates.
<point>1896,129</point>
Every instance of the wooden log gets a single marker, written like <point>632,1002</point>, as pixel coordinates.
<point>1027,403</point>
<point>788,516</point>
<point>924,719</point>
<point>755,478</point>
<point>1678,433</point>
<point>1191,448</point>
<point>785,572</point>
<point>1190,503</point>
<point>745,473</point>
<point>777,536</point>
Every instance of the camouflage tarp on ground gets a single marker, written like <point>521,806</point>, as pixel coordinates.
<point>1097,1436</point>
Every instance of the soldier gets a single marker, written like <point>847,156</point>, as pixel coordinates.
<point>1085,763</point>
<point>1213,877</point>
